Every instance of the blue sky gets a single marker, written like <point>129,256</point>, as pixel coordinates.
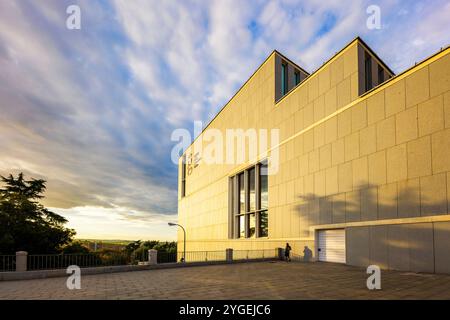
<point>92,110</point>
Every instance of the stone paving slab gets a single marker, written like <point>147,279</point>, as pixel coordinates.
<point>260,280</point>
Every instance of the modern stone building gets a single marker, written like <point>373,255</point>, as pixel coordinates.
<point>364,165</point>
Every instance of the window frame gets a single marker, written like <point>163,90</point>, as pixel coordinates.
<point>284,78</point>
<point>368,71</point>
<point>298,77</point>
<point>235,213</point>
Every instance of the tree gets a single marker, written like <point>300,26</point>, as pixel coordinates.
<point>75,247</point>
<point>25,224</point>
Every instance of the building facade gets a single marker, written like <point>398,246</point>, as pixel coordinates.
<point>360,169</point>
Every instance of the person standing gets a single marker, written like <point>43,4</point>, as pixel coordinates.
<point>287,252</point>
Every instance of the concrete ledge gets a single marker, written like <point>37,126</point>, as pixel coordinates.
<point>41,274</point>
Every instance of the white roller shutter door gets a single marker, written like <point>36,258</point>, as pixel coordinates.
<point>332,246</point>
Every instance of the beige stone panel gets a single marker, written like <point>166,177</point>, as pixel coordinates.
<point>308,115</point>
<point>360,172</point>
<point>386,133</point>
<point>325,156</point>
<point>396,161</point>
<point>353,206</point>
<point>345,176</point>
<point>409,198</point>
<point>387,201</point>
<point>379,246</point>
<point>309,185</point>
<point>324,80</point>
<point>319,108</point>
<point>295,223</point>
<point>431,116</point>
<point>298,189</point>
<point>354,86</point>
<point>290,150</point>
<point>398,252</point>
<point>314,161</point>
<point>359,116</point>
<point>304,165</point>
<point>447,109</point>
<point>357,246</point>
<point>326,210</point>
<point>313,88</point>
<point>337,71</point>
<point>406,125</point>
<point>395,98</point>
<point>351,60</point>
<point>282,194</point>
<point>343,93</point>
<point>314,211</point>
<point>419,157</point>
<point>344,123</point>
<point>417,87</point>
<point>352,146</point>
<point>338,152</point>
<point>298,146</point>
<point>368,140</point>
<point>421,248</point>
<point>319,184</point>
<point>331,180</point>
<point>330,101</point>
<point>302,96</point>
<point>441,241</point>
<point>331,130</point>
<point>440,76</point>
<point>303,214</point>
<point>308,141</point>
<point>433,195</point>
<point>440,143</point>
<point>319,135</point>
<point>369,204</point>
<point>375,108</point>
<point>338,208</point>
<point>290,195</point>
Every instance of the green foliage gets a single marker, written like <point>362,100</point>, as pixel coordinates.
<point>132,246</point>
<point>140,253</point>
<point>27,225</point>
<point>75,247</point>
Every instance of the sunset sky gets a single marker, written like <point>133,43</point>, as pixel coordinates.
<point>92,110</point>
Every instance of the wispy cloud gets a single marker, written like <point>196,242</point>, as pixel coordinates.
<point>92,110</point>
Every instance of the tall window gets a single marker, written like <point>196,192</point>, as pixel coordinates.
<point>241,208</point>
<point>380,74</point>
<point>263,224</point>
<point>249,203</point>
<point>368,71</point>
<point>183,177</point>
<point>297,77</point>
<point>284,78</point>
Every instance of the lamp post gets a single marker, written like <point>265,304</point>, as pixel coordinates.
<point>184,242</point>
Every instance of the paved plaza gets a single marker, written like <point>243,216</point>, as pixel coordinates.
<point>258,280</point>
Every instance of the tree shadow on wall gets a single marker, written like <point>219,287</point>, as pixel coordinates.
<point>367,203</point>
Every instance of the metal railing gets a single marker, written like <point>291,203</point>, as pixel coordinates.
<point>7,263</point>
<point>87,260</point>
<point>255,254</point>
<point>104,259</point>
